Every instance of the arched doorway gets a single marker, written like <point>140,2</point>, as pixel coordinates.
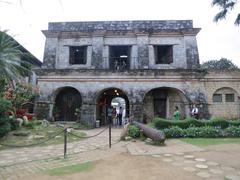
<point>67,101</point>
<point>111,97</point>
<point>160,102</point>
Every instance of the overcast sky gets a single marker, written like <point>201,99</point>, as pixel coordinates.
<point>26,20</point>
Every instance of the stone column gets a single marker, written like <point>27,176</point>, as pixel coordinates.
<point>136,112</point>
<point>143,54</point>
<point>192,56</point>
<point>97,50</point>
<point>50,53</point>
<point>88,114</point>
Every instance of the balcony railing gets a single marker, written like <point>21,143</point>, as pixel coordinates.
<point>122,63</point>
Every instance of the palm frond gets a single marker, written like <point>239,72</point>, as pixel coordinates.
<point>221,15</point>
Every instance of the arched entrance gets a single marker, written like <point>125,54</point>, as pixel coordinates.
<point>67,101</point>
<point>111,97</point>
<point>160,102</point>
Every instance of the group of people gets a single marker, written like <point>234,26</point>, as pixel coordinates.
<point>115,116</point>
<point>194,113</point>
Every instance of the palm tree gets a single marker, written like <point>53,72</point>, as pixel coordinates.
<point>225,7</point>
<point>12,63</point>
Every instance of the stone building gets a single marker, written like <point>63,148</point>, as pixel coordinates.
<point>152,65</point>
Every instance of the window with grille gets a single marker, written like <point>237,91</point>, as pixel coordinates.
<point>229,97</point>
<point>217,97</point>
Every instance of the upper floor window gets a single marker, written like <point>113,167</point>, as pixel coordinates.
<point>163,54</point>
<point>217,97</point>
<point>119,57</point>
<point>78,54</point>
<point>229,97</point>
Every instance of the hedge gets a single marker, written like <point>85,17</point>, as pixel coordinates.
<point>160,123</point>
<point>202,132</point>
<point>133,131</point>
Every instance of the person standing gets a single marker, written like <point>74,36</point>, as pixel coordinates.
<point>176,114</point>
<point>120,112</point>
<point>195,112</point>
<point>109,114</point>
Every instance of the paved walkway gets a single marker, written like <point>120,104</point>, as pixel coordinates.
<point>22,155</point>
<point>21,162</point>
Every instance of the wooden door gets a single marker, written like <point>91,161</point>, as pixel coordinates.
<point>67,102</point>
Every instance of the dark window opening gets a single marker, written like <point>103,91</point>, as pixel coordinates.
<point>78,54</point>
<point>163,54</point>
<point>229,97</point>
<point>217,97</point>
<point>119,57</point>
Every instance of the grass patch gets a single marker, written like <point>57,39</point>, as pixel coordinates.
<point>44,132</point>
<point>87,166</point>
<point>210,141</point>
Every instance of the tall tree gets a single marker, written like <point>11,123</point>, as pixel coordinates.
<point>225,7</point>
<point>12,63</point>
<point>222,64</point>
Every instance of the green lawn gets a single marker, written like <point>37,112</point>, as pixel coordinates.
<point>210,141</point>
<point>43,133</point>
<point>87,166</point>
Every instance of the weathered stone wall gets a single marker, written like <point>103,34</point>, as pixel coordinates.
<point>142,36</point>
<point>223,80</point>
<point>136,84</point>
<point>120,25</point>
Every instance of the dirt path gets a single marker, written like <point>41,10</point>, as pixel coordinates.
<point>125,166</point>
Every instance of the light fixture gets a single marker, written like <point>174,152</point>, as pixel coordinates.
<point>117,94</point>
<point>123,56</point>
<point>115,91</point>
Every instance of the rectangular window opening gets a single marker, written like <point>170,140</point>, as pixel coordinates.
<point>78,54</point>
<point>119,57</point>
<point>163,54</point>
<point>229,97</point>
<point>217,97</point>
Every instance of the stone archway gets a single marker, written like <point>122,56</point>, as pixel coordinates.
<point>67,100</point>
<point>104,100</point>
<point>160,102</point>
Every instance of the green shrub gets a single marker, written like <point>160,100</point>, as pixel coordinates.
<point>174,131</point>
<point>133,131</point>
<point>160,123</point>
<point>5,105</point>
<point>193,132</point>
<point>32,124</point>
<point>210,132</point>
<point>232,131</point>
<point>5,126</point>
<point>14,123</point>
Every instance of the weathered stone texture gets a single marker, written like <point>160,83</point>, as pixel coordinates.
<point>120,25</point>
<point>185,83</point>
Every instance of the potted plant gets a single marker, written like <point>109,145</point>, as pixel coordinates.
<point>77,113</point>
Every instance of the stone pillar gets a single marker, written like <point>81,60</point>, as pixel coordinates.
<point>192,56</point>
<point>106,64</point>
<point>143,54</point>
<point>50,53</point>
<point>97,51</point>
<point>88,114</point>
<point>136,112</point>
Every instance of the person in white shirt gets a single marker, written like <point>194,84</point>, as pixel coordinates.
<point>195,112</point>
